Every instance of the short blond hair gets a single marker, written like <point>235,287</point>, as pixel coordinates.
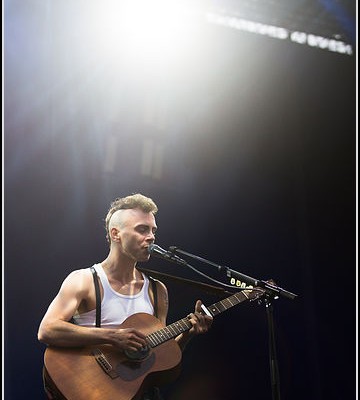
<point>133,201</point>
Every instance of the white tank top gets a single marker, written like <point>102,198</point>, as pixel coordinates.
<point>116,307</point>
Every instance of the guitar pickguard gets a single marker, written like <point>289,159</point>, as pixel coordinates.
<point>131,370</point>
<point>126,369</point>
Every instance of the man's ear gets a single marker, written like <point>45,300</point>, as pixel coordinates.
<point>115,234</point>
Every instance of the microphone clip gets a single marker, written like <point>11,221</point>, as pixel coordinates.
<point>158,251</point>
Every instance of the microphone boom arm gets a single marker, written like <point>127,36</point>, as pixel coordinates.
<point>270,288</point>
<point>168,255</point>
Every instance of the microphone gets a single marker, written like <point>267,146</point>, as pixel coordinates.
<point>158,251</point>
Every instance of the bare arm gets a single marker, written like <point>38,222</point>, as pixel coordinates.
<point>55,330</point>
<point>163,302</point>
<point>200,322</point>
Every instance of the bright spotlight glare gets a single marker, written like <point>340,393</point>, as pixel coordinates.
<point>150,30</point>
<point>155,23</point>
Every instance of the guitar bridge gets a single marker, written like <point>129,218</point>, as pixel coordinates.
<point>104,363</point>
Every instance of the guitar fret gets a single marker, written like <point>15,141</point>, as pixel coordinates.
<point>161,335</point>
<point>182,327</point>
<point>227,303</point>
<point>153,339</point>
<point>187,324</point>
<point>166,333</point>
<point>214,309</point>
<point>158,338</point>
<point>158,341</point>
<point>177,326</point>
<point>240,297</point>
<point>174,329</point>
<point>221,306</point>
<point>150,340</point>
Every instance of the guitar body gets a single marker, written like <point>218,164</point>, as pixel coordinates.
<point>79,374</point>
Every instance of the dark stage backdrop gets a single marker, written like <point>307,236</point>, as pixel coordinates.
<point>252,165</point>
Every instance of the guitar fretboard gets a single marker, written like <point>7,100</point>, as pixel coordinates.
<point>183,325</point>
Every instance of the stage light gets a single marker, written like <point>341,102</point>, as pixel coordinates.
<point>152,32</point>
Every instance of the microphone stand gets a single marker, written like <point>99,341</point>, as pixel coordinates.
<point>274,368</point>
<point>271,292</point>
<point>269,288</point>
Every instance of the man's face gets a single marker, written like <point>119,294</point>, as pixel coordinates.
<point>136,233</point>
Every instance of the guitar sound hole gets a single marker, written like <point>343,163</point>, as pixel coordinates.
<point>137,355</point>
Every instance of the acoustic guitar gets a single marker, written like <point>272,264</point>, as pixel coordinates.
<point>103,372</point>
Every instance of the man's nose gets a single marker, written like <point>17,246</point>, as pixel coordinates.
<point>151,236</point>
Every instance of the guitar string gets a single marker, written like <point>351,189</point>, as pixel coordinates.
<point>172,330</point>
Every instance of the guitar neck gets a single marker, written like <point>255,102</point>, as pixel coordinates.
<point>183,325</point>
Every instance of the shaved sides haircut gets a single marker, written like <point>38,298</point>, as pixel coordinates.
<point>134,201</point>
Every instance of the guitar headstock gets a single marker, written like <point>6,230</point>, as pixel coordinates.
<point>256,293</point>
<point>252,293</point>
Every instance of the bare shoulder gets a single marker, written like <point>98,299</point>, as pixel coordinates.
<point>161,287</point>
<point>79,281</point>
<point>163,301</point>
<point>161,297</point>
<point>74,290</point>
